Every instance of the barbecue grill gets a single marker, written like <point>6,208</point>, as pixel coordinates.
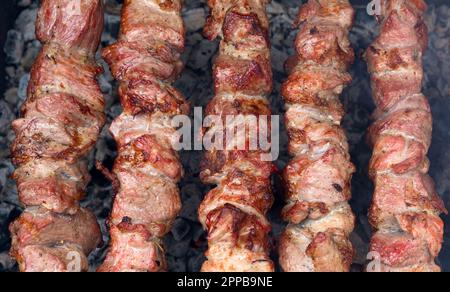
<point>186,243</point>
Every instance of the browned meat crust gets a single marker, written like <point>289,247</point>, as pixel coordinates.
<point>146,59</point>
<point>61,121</point>
<point>406,208</point>
<point>234,212</point>
<point>318,179</point>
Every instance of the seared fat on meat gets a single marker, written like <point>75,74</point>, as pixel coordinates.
<point>318,178</point>
<point>234,213</point>
<point>406,208</point>
<point>145,60</point>
<point>61,121</point>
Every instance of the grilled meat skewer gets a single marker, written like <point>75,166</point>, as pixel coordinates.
<point>145,60</point>
<point>234,213</point>
<point>61,121</point>
<point>318,179</point>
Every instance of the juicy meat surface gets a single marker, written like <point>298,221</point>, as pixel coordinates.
<point>406,208</point>
<point>145,60</point>
<point>45,241</point>
<point>39,226</point>
<point>234,213</point>
<point>318,178</point>
<point>60,123</point>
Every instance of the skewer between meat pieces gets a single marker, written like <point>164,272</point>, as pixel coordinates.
<point>406,208</point>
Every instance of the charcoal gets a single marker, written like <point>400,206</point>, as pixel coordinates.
<point>116,110</point>
<point>10,96</point>
<point>101,150</point>
<point>24,3</point>
<point>195,260</point>
<point>106,72</point>
<point>191,212</point>
<point>13,47</point>
<point>177,265</point>
<point>361,249</point>
<point>191,196</point>
<point>30,55</point>
<point>9,192</point>
<point>105,86</point>
<point>23,84</point>
<point>6,263</point>
<point>176,248</point>
<point>276,9</point>
<point>278,59</point>
<point>189,5</point>
<point>198,235</point>
<point>187,83</point>
<point>10,72</point>
<point>194,19</point>
<point>202,54</point>
<point>112,24</point>
<point>4,173</point>
<point>106,40</point>
<point>6,116</point>
<point>180,229</point>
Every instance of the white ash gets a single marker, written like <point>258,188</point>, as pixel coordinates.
<point>6,116</point>
<point>31,52</point>
<point>194,19</point>
<point>24,3</point>
<point>201,54</point>
<point>22,89</point>
<point>25,23</point>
